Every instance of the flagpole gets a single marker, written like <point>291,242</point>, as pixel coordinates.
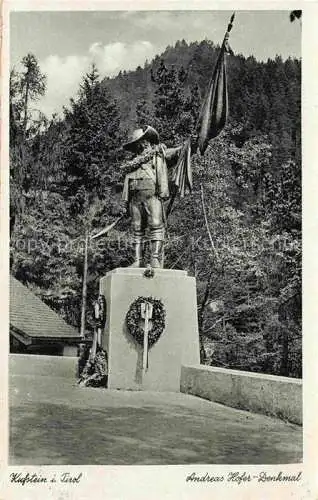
<point>229,27</point>
<point>84,289</point>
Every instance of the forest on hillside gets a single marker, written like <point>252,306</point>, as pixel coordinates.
<point>66,182</point>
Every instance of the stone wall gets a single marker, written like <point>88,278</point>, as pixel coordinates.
<point>268,394</point>
<point>51,366</point>
<point>70,351</point>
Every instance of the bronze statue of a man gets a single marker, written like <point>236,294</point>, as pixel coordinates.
<point>145,189</point>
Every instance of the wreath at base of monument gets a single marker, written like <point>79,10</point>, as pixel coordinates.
<point>135,324</point>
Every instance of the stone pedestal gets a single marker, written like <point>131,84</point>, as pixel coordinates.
<point>177,345</point>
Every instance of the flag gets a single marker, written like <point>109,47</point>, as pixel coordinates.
<point>214,110</point>
<point>211,121</point>
<point>182,175</point>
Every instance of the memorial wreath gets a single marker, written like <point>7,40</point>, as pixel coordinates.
<point>135,323</point>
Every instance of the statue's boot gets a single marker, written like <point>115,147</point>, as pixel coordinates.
<point>156,249</point>
<point>138,253</point>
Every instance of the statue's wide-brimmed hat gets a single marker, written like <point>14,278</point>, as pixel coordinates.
<point>149,134</point>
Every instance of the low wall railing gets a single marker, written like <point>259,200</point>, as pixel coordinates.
<point>268,394</point>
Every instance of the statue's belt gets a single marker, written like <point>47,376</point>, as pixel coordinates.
<point>138,184</point>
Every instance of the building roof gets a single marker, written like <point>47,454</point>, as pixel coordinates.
<point>28,314</point>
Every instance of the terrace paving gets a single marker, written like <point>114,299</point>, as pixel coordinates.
<point>53,421</point>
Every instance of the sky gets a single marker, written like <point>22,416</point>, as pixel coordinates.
<point>66,43</point>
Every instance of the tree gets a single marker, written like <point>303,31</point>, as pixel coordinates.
<point>91,145</point>
<point>144,114</point>
<point>91,155</point>
<point>32,85</point>
<point>25,87</point>
<point>253,268</point>
<point>169,100</point>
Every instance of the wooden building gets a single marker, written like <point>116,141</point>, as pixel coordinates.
<point>35,328</point>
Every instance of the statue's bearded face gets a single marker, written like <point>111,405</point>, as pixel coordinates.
<point>140,146</point>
